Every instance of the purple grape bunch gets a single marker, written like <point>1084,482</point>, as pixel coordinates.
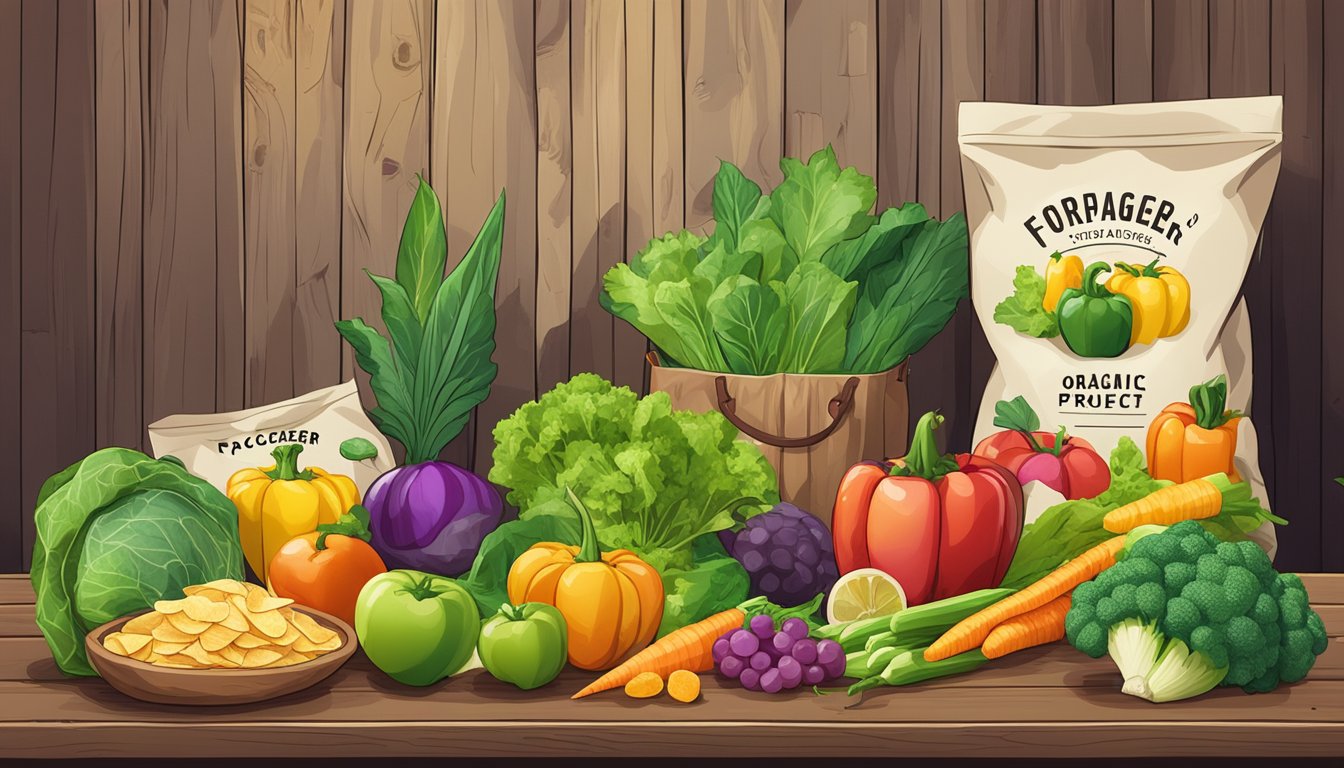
<point>763,658</point>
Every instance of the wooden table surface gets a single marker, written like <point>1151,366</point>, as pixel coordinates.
<point>1047,701</point>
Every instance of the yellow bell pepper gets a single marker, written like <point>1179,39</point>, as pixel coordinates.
<point>277,503</point>
<point>1160,297</point>
<point>1061,273</point>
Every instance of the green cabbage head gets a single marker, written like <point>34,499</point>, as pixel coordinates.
<point>118,531</point>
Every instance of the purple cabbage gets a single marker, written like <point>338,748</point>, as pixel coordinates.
<point>431,516</point>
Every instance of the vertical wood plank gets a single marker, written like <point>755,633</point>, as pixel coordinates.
<point>1075,44</point>
<point>1180,49</point>
<point>1332,312</point>
<point>58,356</point>
<point>669,136</point>
<point>630,345</point>
<point>193,217</point>
<point>1133,51</point>
<point>900,34</point>
<point>483,113</point>
<point>225,65</point>
<point>11,278</point>
<point>1239,49</point>
<point>268,198</point>
<point>1010,75</point>
<point>319,51</point>
<point>118,118</point>
<point>1239,66</point>
<point>554,168</point>
<point>1296,267</point>
<point>830,80</point>
<point>734,54</point>
<point>388,63</point>
<point>963,66</point>
<point>597,84</point>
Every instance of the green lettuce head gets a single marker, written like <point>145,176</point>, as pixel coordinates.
<point>118,531</point>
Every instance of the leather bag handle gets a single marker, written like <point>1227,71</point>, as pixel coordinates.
<point>838,407</point>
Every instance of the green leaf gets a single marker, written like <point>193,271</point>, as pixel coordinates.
<point>734,201</point>
<point>402,324</point>
<point>1016,414</point>
<point>487,581</point>
<point>456,369</point>
<point>763,236</point>
<point>1024,311</point>
<point>852,259</point>
<point>721,264</point>
<point>818,204</point>
<point>394,413</point>
<point>714,582</point>
<point>750,323</point>
<point>819,305</point>
<point>684,307</point>
<point>907,300</point>
<point>358,449</point>
<point>423,250</point>
<point>673,255</point>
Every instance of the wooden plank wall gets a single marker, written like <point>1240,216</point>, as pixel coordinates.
<point>190,192</point>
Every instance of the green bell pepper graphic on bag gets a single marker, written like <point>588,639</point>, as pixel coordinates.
<point>1093,321</point>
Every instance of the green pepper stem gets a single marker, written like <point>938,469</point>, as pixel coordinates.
<point>511,612</point>
<point>1209,400</point>
<point>421,590</point>
<point>589,551</point>
<point>287,463</point>
<point>1091,287</point>
<point>924,460</point>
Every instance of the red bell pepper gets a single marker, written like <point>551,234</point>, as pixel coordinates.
<point>941,525</point>
<point>1070,465</point>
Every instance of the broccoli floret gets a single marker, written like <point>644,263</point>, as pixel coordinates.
<point>1181,613</point>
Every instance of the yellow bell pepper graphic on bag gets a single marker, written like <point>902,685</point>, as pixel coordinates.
<point>1160,297</point>
<point>275,504</point>
<point>1061,273</point>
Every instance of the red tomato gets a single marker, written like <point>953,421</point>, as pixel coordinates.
<point>1078,472</point>
<point>328,579</point>
<point>939,536</point>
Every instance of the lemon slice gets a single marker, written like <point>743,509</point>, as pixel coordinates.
<point>864,594</point>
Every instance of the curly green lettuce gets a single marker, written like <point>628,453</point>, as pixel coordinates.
<point>1023,310</point>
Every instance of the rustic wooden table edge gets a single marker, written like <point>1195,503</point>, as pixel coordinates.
<point>1053,702</point>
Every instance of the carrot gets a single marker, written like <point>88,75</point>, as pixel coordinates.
<point>971,631</point>
<point>1197,499</point>
<point>1036,627</point>
<point>690,647</point>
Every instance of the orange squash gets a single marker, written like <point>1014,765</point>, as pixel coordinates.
<point>1191,440</point>
<point>612,601</point>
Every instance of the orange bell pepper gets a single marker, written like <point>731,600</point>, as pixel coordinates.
<point>1195,439</point>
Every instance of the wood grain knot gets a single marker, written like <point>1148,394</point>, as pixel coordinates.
<point>403,58</point>
<point>390,167</point>
<point>259,155</point>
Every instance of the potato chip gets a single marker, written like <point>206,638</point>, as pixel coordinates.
<point>161,648</point>
<point>184,623</point>
<point>311,629</point>
<point>143,624</point>
<point>269,623</point>
<point>235,620</point>
<point>289,660</point>
<point>169,607</point>
<point>179,660</point>
<point>133,643</point>
<point>217,636</point>
<point>204,657</point>
<point>234,655</point>
<point>287,639</point>
<point>202,609</point>
<point>259,601</point>
<point>113,643</point>
<point>171,634</point>
<point>247,641</point>
<point>145,652</point>
<point>173,664</point>
<point>260,657</point>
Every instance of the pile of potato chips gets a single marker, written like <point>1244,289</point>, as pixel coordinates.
<point>224,624</point>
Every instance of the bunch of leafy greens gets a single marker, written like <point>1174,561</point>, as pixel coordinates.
<point>1068,529</point>
<point>117,531</point>
<point>1024,310</point>
<point>710,583</point>
<point>437,366</point>
<point>654,479</point>
<point>802,280</point>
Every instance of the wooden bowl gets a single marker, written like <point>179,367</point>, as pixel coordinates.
<point>213,687</point>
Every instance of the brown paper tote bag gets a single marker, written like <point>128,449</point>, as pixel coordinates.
<point>810,427</point>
